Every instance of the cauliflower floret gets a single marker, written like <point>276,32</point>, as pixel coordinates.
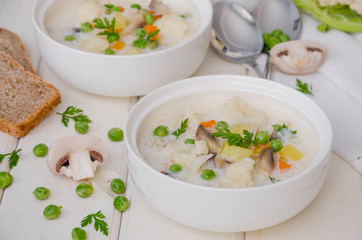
<point>355,5</point>
<point>239,172</point>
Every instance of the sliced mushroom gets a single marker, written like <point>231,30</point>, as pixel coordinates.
<point>298,56</point>
<point>136,22</point>
<point>77,156</point>
<point>266,160</point>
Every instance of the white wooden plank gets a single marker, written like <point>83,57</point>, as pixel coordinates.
<point>336,212</point>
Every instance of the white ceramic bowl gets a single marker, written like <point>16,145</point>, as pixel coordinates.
<point>228,210</point>
<point>130,75</point>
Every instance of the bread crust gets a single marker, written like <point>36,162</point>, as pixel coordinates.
<point>19,76</point>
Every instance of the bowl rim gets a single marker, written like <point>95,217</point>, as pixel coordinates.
<point>205,22</point>
<point>322,157</point>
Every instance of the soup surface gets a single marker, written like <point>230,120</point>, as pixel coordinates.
<point>225,142</point>
<point>121,27</point>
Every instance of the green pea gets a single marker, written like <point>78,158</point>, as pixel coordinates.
<point>276,144</point>
<point>52,212</point>
<point>69,38</point>
<point>160,131</point>
<point>148,18</point>
<point>266,36</point>
<point>283,38</point>
<point>140,32</point>
<point>41,193</point>
<point>153,44</point>
<point>81,127</point>
<point>277,127</point>
<point>113,37</point>
<point>109,52</point>
<point>79,234</point>
<point>136,6</point>
<point>5,180</point>
<point>40,150</point>
<point>276,32</point>
<point>208,174</point>
<point>86,27</point>
<point>84,190</point>
<point>175,168</point>
<point>118,186</point>
<point>273,41</point>
<point>121,203</point>
<point>221,126</point>
<point>262,137</point>
<point>115,134</point>
<point>115,9</point>
<point>189,141</point>
<point>140,43</point>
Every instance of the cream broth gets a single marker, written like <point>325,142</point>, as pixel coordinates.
<point>72,24</point>
<point>235,167</point>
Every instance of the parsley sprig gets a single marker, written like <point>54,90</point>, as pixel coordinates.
<point>73,113</point>
<point>13,158</point>
<point>235,138</point>
<point>280,128</point>
<point>182,129</point>
<point>109,26</point>
<point>303,87</point>
<point>99,224</point>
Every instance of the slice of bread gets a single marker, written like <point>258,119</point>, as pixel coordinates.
<point>12,45</point>
<point>24,98</point>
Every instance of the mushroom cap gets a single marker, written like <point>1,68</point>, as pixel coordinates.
<point>64,146</point>
<point>298,57</point>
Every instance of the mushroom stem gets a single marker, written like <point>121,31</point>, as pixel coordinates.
<point>81,165</point>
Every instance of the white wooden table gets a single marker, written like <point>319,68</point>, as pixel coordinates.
<point>336,212</point>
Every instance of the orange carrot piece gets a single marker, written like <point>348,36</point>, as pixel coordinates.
<point>118,45</point>
<point>283,166</point>
<point>208,124</point>
<point>149,28</point>
<point>122,9</point>
<point>156,17</point>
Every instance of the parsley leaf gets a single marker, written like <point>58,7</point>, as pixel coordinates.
<point>13,158</point>
<point>235,138</point>
<point>99,224</point>
<point>75,114</point>
<point>110,32</point>
<point>273,180</point>
<point>303,87</point>
<point>182,128</point>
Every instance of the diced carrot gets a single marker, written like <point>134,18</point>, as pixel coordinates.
<point>152,12</point>
<point>149,28</point>
<point>122,9</point>
<point>208,124</point>
<point>283,166</point>
<point>118,45</point>
<point>157,17</point>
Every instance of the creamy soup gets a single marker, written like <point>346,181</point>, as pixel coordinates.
<point>235,142</point>
<point>122,27</point>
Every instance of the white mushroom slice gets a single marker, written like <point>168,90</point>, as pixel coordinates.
<point>77,156</point>
<point>298,57</point>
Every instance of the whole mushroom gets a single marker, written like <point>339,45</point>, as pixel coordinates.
<point>298,56</point>
<point>77,156</point>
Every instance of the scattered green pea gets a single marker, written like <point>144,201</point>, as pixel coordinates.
<point>140,43</point>
<point>40,150</point>
<point>52,212</point>
<point>140,32</point>
<point>276,32</point>
<point>109,51</point>
<point>148,18</point>
<point>136,6</point>
<point>84,190</point>
<point>189,141</point>
<point>81,127</point>
<point>221,126</point>
<point>113,37</point>
<point>79,234</point>
<point>262,137</point>
<point>86,27</point>
<point>69,38</point>
<point>121,203</point>
<point>284,38</point>
<point>41,193</point>
<point>208,174</point>
<point>175,168</point>
<point>115,134</point>
<point>276,144</point>
<point>118,186</point>
<point>277,127</point>
<point>160,131</point>
<point>5,180</point>
<point>153,44</point>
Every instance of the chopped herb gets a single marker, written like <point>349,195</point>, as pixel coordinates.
<point>278,128</point>
<point>13,158</point>
<point>99,224</point>
<point>323,28</point>
<point>273,180</point>
<point>182,128</point>
<point>189,141</point>
<point>235,138</point>
<point>303,87</point>
<point>73,113</point>
<point>110,33</point>
<point>183,16</point>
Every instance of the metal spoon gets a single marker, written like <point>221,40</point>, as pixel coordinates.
<point>236,35</point>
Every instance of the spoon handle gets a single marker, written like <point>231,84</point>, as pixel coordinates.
<point>256,69</point>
